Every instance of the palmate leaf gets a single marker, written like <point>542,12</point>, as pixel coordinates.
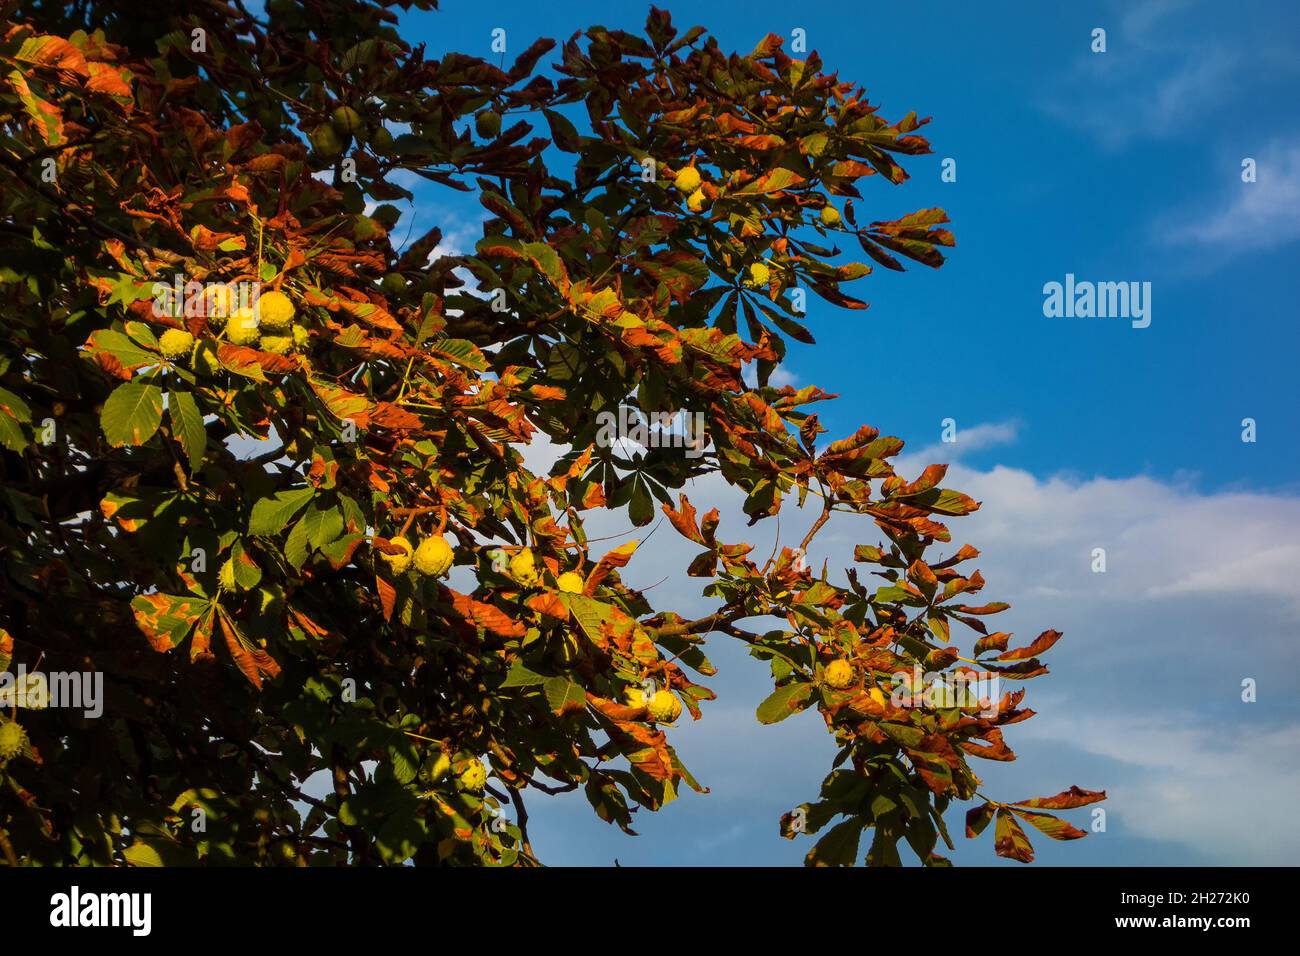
<point>132,413</point>
<point>613,285</point>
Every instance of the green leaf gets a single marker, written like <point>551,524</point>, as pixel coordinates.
<point>460,352</point>
<point>774,181</point>
<point>521,676</point>
<point>322,525</point>
<point>187,426</point>
<point>142,854</point>
<point>783,702</point>
<point>132,413</point>
<point>296,547</point>
<point>403,756</point>
<point>247,573</point>
<point>839,847</point>
<point>119,348</point>
<point>884,848</point>
<point>271,515</point>
<point>588,612</point>
<point>14,413</point>
<point>564,695</point>
<point>563,132</point>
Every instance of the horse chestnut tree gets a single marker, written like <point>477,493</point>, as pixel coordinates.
<point>387,599</point>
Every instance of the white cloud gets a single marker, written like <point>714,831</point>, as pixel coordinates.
<point>1189,574</point>
<point>1254,215</point>
<point>1159,75</point>
<point>1229,792</point>
<point>969,441</point>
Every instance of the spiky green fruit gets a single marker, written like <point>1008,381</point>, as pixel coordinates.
<point>474,777</point>
<point>13,740</point>
<point>839,674</point>
<point>274,312</point>
<point>175,343</point>
<point>398,563</point>
<point>665,707</point>
<point>523,568</point>
<point>434,556</point>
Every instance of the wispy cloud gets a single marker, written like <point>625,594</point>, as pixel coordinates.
<point>1227,789</point>
<point>1144,695</point>
<point>967,441</point>
<point>1262,214</point>
<point>1151,82</point>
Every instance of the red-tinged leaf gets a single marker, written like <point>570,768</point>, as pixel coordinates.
<point>1010,840</point>
<point>680,272</point>
<point>704,565</point>
<point>371,314</point>
<point>549,604</point>
<point>387,595</point>
<point>53,52</point>
<point>564,696</point>
<point>993,642</point>
<point>109,80</point>
<point>863,436</point>
<point>977,819</point>
<point>768,419</point>
<point>344,405</point>
<point>1065,800</point>
<point>253,362</point>
<point>930,478</point>
<point>964,553</point>
<point>253,662</point>
<point>616,558</point>
<point>45,116</point>
<point>394,417</point>
<point>919,573</point>
<point>1054,827</point>
<point>165,619</point>
<point>486,616</point>
<point>201,645</point>
<point>684,519</point>
<point>770,182</point>
<point>993,608</point>
<point>1040,644</point>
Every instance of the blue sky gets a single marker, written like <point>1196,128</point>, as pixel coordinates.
<point>1076,433</point>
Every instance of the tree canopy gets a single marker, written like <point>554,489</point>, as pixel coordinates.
<point>380,593</point>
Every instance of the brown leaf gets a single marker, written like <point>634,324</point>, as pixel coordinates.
<point>486,616</point>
